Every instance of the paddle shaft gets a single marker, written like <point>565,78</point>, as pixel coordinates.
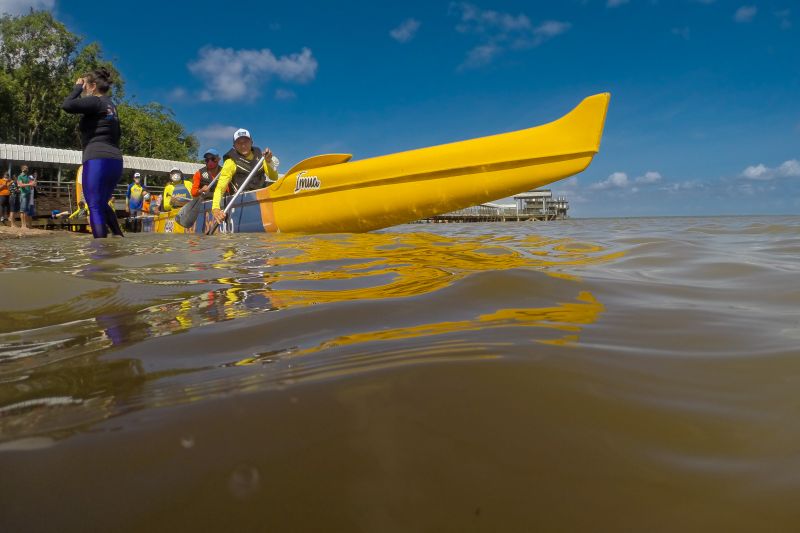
<point>228,207</point>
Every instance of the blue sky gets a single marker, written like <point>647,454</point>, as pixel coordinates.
<point>704,117</point>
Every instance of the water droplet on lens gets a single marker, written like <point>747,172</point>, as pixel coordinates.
<point>244,482</point>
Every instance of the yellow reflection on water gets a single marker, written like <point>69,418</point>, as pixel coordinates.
<point>294,272</point>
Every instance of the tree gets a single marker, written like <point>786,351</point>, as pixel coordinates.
<point>36,51</point>
<point>39,61</point>
<point>151,130</point>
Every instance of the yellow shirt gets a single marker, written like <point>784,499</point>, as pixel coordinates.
<point>226,175</point>
<point>183,197</point>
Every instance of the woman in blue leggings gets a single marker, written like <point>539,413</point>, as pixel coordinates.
<point>102,158</point>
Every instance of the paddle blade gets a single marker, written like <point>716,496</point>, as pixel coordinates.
<point>188,214</point>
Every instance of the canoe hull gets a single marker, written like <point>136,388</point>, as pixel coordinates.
<point>385,191</point>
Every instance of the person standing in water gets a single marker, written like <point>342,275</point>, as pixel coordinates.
<point>102,158</point>
<point>239,162</point>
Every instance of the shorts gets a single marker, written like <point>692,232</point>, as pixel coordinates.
<point>25,203</point>
<point>14,203</point>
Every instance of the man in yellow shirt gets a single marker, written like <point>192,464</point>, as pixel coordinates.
<point>239,162</point>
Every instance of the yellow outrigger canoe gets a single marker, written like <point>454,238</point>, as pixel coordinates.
<point>331,194</point>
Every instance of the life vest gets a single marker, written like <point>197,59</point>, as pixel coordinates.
<point>244,167</point>
<point>181,194</point>
<point>206,179</point>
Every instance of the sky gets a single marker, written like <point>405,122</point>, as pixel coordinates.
<point>705,108</point>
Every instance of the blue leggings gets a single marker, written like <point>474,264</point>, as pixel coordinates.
<point>100,176</point>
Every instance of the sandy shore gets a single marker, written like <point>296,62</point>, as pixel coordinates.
<point>23,233</point>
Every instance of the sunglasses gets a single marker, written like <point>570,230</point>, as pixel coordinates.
<point>212,158</point>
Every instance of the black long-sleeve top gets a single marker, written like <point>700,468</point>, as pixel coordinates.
<point>99,125</point>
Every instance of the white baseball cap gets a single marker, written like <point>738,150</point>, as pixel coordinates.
<point>241,132</point>
<point>137,175</point>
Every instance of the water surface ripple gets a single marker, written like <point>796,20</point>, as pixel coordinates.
<point>614,375</point>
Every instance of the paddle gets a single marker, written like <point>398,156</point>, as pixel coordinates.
<point>188,214</point>
<point>228,207</point>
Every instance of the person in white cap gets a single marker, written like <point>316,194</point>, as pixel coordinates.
<point>135,196</point>
<point>178,191</point>
<point>239,162</point>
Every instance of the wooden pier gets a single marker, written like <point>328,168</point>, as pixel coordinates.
<point>533,206</point>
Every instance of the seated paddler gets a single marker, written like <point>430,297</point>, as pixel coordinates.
<point>178,191</point>
<point>204,177</point>
<point>239,162</point>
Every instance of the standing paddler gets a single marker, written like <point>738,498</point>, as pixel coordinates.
<point>239,162</point>
<point>102,158</point>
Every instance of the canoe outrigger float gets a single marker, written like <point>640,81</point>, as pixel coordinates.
<point>332,194</point>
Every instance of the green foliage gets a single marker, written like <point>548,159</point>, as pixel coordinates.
<point>40,59</point>
<point>150,130</point>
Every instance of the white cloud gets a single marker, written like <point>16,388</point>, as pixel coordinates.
<point>617,180</point>
<point>683,186</point>
<point>745,13</point>
<point>649,177</point>
<point>757,172</point>
<point>616,3</point>
<point>284,94</point>
<point>787,169</point>
<point>405,31</point>
<point>620,180</point>
<point>231,75</point>
<point>21,7</point>
<point>683,33</point>
<point>216,133</point>
<point>784,18</point>
<point>549,29</point>
<point>499,31</point>
<point>481,55</point>
<point>178,93</point>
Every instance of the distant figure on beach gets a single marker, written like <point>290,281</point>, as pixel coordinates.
<point>5,198</point>
<point>26,183</point>
<point>102,158</point>
<point>34,194</point>
<point>201,181</point>
<point>239,162</point>
<point>178,191</point>
<point>135,196</point>
<point>13,200</point>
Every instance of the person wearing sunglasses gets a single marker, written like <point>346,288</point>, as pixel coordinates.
<point>201,181</point>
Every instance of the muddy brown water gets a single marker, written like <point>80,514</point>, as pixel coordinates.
<point>586,375</point>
